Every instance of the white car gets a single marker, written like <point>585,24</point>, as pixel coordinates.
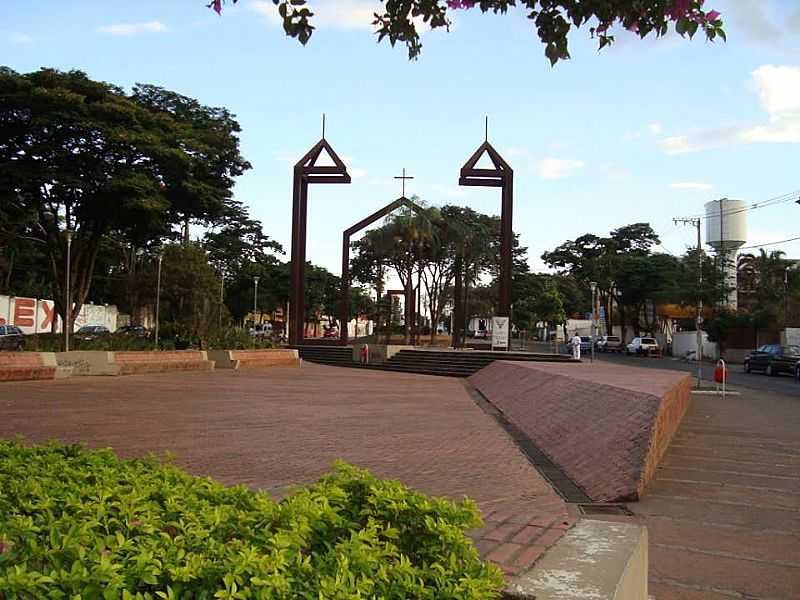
<point>642,345</point>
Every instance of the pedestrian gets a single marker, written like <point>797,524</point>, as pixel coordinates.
<point>576,346</point>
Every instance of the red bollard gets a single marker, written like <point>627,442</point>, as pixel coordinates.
<point>365,354</point>
<point>721,374</point>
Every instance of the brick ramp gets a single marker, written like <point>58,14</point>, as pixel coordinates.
<point>27,366</point>
<point>607,427</point>
<point>137,363</point>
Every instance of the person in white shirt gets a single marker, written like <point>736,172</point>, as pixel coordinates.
<point>576,346</point>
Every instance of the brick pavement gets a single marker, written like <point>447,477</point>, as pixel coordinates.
<point>275,427</point>
<point>605,426</point>
<point>723,512</point>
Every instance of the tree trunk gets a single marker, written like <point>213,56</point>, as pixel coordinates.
<point>185,232</point>
<point>458,312</point>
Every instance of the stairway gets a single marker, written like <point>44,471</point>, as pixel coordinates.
<point>453,363</point>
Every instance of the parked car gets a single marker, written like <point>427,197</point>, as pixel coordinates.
<point>264,330</point>
<point>642,345</point>
<point>92,332</point>
<point>773,359</point>
<point>609,343</point>
<point>481,334</point>
<point>331,332</point>
<point>586,343</point>
<point>11,338</point>
<point>138,331</point>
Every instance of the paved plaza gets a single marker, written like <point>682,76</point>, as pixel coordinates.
<point>273,428</point>
<point>723,512</point>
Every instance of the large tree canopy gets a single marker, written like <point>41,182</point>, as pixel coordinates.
<point>398,20</point>
<point>83,156</point>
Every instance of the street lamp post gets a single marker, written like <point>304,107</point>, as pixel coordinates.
<point>786,298</point>
<point>158,298</point>
<point>255,307</point>
<point>67,295</point>
<point>593,285</point>
<point>221,298</point>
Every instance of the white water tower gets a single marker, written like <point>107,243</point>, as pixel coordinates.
<point>726,232</point>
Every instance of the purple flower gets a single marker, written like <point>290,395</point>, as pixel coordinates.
<point>679,9</point>
<point>712,16</point>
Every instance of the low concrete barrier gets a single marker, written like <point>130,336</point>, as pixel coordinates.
<point>88,362</point>
<point>136,363</point>
<point>600,560</point>
<point>243,359</point>
<point>28,366</point>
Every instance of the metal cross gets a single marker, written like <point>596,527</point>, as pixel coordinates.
<point>403,177</point>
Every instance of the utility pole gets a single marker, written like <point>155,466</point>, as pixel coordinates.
<point>786,298</point>
<point>67,293</point>
<point>158,298</point>
<point>699,318</point>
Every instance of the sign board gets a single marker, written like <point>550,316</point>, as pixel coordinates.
<point>792,335</point>
<point>500,327</point>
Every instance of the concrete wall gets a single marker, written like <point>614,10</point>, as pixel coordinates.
<point>597,560</point>
<point>84,363</point>
<point>37,315</point>
<point>685,341</point>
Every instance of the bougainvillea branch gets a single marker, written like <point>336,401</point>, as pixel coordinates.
<point>397,20</point>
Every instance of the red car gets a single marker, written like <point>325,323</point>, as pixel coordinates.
<point>333,332</point>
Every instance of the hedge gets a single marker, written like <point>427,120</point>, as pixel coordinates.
<point>81,524</point>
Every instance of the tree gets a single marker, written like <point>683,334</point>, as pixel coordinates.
<point>200,159</point>
<point>189,288</point>
<point>601,259</point>
<point>82,156</point>
<point>235,240</point>
<point>766,288</point>
<point>554,19</point>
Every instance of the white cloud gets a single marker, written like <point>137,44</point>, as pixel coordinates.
<point>556,168</point>
<point>342,14</point>
<point>778,89</point>
<point>690,185</point>
<point>20,39</point>
<point>655,128</point>
<point>750,17</point>
<point>125,29</point>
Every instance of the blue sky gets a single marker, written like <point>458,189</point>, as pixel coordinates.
<point>643,131</point>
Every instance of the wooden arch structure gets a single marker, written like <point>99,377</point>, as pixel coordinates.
<point>306,172</point>
<point>502,176</point>
<point>344,309</point>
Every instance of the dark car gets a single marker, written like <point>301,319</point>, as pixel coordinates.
<point>11,338</point>
<point>773,359</point>
<point>138,331</point>
<point>92,332</point>
<point>586,343</point>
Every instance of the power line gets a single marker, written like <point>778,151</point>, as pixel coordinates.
<point>782,199</point>
<point>771,243</point>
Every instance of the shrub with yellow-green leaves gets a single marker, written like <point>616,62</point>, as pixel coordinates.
<point>76,523</point>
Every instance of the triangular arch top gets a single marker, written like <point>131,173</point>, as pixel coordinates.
<point>308,163</point>
<point>501,168</point>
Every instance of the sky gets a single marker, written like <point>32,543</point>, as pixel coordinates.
<point>642,131</point>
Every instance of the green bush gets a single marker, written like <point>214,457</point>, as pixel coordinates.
<point>86,524</point>
<point>238,338</point>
